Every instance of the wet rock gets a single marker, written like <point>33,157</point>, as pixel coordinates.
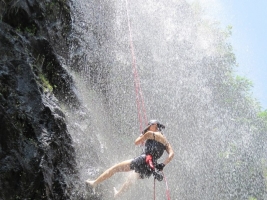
<point>37,159</point>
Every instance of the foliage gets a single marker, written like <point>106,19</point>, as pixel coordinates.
<point>243,84</point>
<point>45,83</point>
<point>263,115</point>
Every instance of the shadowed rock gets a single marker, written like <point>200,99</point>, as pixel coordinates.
<point>36,152</point>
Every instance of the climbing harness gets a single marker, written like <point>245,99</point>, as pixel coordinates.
<point>149,162</point>
<point>141,107</point>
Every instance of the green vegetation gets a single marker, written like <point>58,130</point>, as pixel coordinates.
<point>263,115</point>
<point>37,65</point>
<point>243,84</point>
<point>31,29</point>
<point>45,83</point>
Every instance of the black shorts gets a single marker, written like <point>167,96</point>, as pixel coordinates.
<point>139,165</point>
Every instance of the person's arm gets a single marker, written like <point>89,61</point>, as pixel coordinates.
<point>160,138</point>
<point>170,154</point>
<point>149,135</point>
<point>143,137</point>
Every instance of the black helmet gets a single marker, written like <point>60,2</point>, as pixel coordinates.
<point>151,122</point>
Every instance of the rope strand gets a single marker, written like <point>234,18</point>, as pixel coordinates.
<point>154,188</point>
<point>167,188</point>
<point>139,97</point>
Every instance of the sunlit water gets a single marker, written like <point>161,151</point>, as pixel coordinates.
<point>184,64</point>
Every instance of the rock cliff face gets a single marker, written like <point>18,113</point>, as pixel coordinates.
<point>36,153</point>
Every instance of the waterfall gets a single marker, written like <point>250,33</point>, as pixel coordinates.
<point>186,69</point>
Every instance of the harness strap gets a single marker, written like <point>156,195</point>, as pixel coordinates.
<point>149,161</point>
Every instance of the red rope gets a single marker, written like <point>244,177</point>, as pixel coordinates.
<point>139,97</point>
<point>167,188</point>
<point>154,189</point>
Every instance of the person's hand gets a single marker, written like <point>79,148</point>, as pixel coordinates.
<point>160,166</point>
<point>158,176</point>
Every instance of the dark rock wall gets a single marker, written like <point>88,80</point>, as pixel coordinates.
<point>36,153</point>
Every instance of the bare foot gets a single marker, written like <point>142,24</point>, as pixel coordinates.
<point>91,184</point>
<point>115,192</point>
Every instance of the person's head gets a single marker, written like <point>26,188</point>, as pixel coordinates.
<point>153,124</point>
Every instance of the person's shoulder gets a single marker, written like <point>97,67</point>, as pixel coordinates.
<point>149,135</point>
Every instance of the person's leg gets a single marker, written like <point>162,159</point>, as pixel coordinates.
<point>130,180</point>
<point>121,167</point>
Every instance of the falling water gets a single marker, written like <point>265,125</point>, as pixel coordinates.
<point>186,66</point>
